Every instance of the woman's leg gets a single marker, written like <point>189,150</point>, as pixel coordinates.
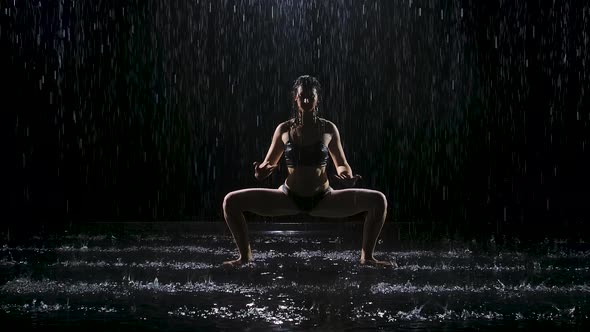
<point>348,202</point>
<point>262,201</point>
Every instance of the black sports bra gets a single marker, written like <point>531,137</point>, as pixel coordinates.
<point>309,155</point>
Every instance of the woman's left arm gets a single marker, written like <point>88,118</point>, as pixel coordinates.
<point>343,169</point>
<point>337,152</point>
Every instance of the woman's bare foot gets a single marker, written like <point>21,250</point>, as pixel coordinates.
<point>376,262</point>
<point>237,262</point>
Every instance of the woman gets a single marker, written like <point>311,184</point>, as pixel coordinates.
<point>306,140</point>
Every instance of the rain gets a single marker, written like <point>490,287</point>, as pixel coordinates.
<point>470,117</point>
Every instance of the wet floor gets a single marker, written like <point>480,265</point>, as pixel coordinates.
<point>300,280</point>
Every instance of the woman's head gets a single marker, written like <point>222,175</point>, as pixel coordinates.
<point>306,94</point>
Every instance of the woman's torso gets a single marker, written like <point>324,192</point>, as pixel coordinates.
<point>306,180</point>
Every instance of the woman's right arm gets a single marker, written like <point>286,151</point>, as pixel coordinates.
<point>275,151</point>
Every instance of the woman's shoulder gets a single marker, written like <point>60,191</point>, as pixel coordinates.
<point>329,125</point>
<point>326,121</point>
<point>285,125</point>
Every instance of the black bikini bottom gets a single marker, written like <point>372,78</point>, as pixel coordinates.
<point>305,203</point>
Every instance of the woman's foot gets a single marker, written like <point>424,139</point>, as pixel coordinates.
<point>237,262</point>
<point>375,262</point>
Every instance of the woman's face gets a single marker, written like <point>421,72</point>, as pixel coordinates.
<point>306,99</point>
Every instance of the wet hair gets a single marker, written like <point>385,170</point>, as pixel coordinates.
<point>306,82</point>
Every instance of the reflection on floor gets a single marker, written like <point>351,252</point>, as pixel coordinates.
<point>302,278</point>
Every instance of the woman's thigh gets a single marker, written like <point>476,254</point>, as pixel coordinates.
<point>262,201</point>
<point>348,202</point>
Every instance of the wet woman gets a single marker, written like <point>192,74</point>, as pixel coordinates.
<point>306,140</point>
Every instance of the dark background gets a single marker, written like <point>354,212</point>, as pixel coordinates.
<point>472,115</point>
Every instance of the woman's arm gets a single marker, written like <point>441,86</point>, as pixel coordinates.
<point>275,151</point>
<point>264,169</point>
<point>345,176</point>
<point>337,152</point>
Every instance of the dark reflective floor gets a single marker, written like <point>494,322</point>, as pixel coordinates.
<point>144,278</point>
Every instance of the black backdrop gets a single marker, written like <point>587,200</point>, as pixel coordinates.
<point>463,113</point>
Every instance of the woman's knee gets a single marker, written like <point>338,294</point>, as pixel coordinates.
<point>379,200</point>
<point>231,200</point>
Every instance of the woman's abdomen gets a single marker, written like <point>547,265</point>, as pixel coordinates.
<point>306,181</point>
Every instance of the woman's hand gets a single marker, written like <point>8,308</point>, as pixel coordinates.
<point>346,179</point>
<point>261,171</point>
